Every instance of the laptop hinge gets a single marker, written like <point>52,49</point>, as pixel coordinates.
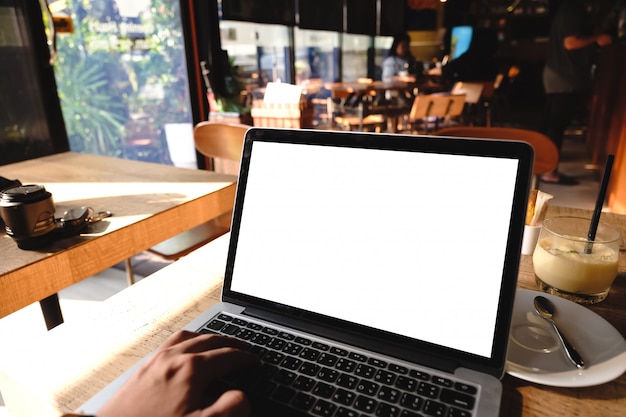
<point>380,345</point>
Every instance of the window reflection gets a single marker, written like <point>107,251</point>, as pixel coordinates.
<point>261,54</point>
<point>259,51</point>
<point>354,56</point>
<point>316,52</point>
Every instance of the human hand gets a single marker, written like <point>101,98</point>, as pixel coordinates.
<point>175,381</point>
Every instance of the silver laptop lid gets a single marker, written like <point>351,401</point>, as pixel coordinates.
<point>404,244</point>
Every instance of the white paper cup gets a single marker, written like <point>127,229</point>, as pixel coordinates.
<point>529,241</point>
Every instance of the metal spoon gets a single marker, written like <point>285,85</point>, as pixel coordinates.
<point>545,308</point>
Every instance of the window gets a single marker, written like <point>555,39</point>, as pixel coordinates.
<point>354,61</point>
<point>259,51</point>
<point>316,55</point>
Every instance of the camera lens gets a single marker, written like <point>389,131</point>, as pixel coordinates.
<point>28,214</point>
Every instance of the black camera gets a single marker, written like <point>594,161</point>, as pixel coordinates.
<point>28,214</point>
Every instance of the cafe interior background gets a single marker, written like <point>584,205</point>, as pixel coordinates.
<point>130,78</point>
<point>133,77</point>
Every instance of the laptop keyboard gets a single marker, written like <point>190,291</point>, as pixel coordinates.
<point>324,380</point>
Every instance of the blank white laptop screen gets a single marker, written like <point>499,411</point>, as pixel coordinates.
<point>386,239</point>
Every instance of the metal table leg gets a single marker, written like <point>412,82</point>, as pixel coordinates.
<point>51,310</point>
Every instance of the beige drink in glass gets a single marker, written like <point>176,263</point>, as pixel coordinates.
<point>568,265</point>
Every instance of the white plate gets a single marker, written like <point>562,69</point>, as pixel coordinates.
<point>535,354</point>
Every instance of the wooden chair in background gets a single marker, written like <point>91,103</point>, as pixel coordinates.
<point>473,99</point>
<point>221,143</point>
<point>350,110</point>
<point>546,153</point>
<point>479,99</point>
<point>430,110</point>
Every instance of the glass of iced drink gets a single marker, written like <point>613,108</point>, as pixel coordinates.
<point>568,265</point>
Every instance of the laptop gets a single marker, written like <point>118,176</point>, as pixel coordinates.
<point>374,274</point>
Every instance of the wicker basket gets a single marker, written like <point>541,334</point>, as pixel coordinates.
<point>287,115</point>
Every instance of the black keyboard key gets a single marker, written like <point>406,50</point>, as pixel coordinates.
<point>357,357</point>
<point>324,408</point>
<point>240,322</point>
<point>323,390</point>
<point>411,401</point>
<point>377,362</point>
<point>387,410</point>
<point>304,383</point>
<point>215,324</point>
<point>344,397</point>
<point>245,334</point>
<point>456,412</point>
<point>468,389</point>
<point>310,369</point>
<point>345,365</point>
<point>254,326</point>
<point>328,375</point>
<point>276,343</point>
<point>303,401</point>
<point>320,346</point>
<point>338,351</point>
<point>445,382</point>
<point>273,357</point>
<point>292,348</point>
<point>407,413</point>
<point>224,317</point>
<point>266,372</point>
<point>419,375</point>
<point>347,381</point>
<point>260,339</point>
<point>435,409</point>
<point>457,399</point>
<point>365,404</point>
<point>367,387</point>
<point>291,363</point>
<point>405,383</point>
<point>286,336</point>
<point>270,331</point>
<point>428,390</point>
<point>302,341</point>
<point>398,369</point>
<point>327,359</point>
<point>385,377</point>
<point>364,371</point>
<point>346,412</point>
<point>230,329</point>
<point>283,394</point>
<point>285,377</point>
<point>388,394</point>
<point>259,351</point>
<point>309,354</point>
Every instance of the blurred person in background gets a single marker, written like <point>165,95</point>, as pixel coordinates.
<point>399,62</point>
<point>567,74</point>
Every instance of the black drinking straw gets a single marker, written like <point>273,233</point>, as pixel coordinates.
<point>595,219</point>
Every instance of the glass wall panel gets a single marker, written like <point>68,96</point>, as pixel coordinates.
<point>316,55</point>
<point>122,80</point>
<point>354,59</point>
<point>382,44</point>
<point>260,52</point>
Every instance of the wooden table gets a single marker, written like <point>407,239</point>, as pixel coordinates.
<point>83,357</point>
<point>150,203</point>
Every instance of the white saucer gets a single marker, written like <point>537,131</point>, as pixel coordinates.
<point>535,354</point>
